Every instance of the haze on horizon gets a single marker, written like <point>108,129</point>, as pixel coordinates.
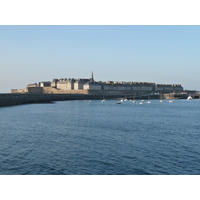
<point>159,54</point>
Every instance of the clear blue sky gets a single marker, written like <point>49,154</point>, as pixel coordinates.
<point>160,54</point>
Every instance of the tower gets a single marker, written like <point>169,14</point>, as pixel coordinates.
<point>92,77</point>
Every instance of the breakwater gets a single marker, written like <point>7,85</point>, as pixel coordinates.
<point>10,99</point>
<point>17,99</point>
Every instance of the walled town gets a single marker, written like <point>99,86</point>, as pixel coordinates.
<point>90,86</point>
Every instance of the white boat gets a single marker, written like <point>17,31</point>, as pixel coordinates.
<point>189,98</point>
<point>170,101</point>
<point>103,100</point>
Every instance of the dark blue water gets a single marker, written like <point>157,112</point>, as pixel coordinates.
<point>82,137</point>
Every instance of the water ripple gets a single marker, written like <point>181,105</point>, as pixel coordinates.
<point>74,137</point>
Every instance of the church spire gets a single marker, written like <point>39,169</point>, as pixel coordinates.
<point>92,77</point>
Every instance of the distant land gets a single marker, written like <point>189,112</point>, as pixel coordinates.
<point>90,86</point>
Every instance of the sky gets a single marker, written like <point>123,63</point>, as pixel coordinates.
<point>147,53</point>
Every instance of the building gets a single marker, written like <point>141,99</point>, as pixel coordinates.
<point>90,86</point>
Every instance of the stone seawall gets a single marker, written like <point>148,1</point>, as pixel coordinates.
<point>8,99</point>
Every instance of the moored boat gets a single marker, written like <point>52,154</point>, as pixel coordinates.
<point>189,98</point>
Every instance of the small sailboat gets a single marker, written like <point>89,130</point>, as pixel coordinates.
<point>161,99</point>
<point>189,98</point>
<point>148,100</point>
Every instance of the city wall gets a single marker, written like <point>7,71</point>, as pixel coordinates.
<point>49,90</point>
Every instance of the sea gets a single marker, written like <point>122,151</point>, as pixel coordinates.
<point>89,137</point>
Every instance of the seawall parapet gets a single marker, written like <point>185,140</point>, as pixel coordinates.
<point>17,99</point>
<point>9,99</point>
